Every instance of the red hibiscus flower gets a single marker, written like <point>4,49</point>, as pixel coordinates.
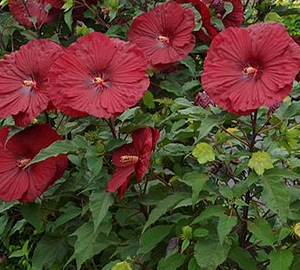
<point>24,73</point>
<point>234,18</point>
<point>99,76</point>
<point>133,157</point>
<point>164,34</point>
<point>209,32</point>
<point>26,12</point>
<point>248,68</point>
<point>18,182</point>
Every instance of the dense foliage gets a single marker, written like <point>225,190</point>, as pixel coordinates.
<point>160,176</point>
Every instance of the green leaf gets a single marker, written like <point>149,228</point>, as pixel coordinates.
<point>33,214</point>
<point>152,237</point>
<point>206,125</point>
<point>55,149</point>
<point>100,201</point>
<point>204,153</point>
<point>243,258</point>
<point>54,255</point>
<point>3,223</point>
<point>148,100</point>
<point>228,9</point>
<point>260,161</point>
<point>272,17</point>
<point>225,225</point>
<point>94,165</point>
<point>196,181</point>
<point>193,265</point>
<point>210,253</point>
<point>172,262</point>
<point>163,207</point>
<point>208,212</point>
<point>262,231</point>
<point>276,194</point>
<point>68,18</point>
<point>280,260</point>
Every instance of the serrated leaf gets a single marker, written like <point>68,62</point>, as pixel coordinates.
<point>243,258</point>
<point>152,237</point>
<point>100,201</point>
<point>206,126</point>
<point>163,207</point>
<point>148,100</point>
<point>210,253</point>
<point>55,149</point>
<point>196,181</point>
<point>276,195</point>
<point>172,262</point>
<point>225,225</point>
<point>262,231</point>
<point>260,161</point>
<point>204,153</point>
<point>280,260</point>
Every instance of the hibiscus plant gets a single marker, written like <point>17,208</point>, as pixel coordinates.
<point>149,135</point>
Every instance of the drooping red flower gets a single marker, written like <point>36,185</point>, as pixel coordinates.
<point>209,32</point>
<point>249,68</point>
<point>24,73</point>
<point>202,99</point>
<point>132,158</point>
<point>38,11</point>
<point>18,182</point>
<point>234,18</point>
<point>164,34</point>
<point>99,76</point>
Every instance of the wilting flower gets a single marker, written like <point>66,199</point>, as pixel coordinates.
<point>164,34</point>
<point>18,182</point>
<point>133,157</point>
<point>234,18</point>
<point>209,32</point>
<point>249,68</point>
<point>99,76</point>
<point>38,11</point>
<point>23,78</point>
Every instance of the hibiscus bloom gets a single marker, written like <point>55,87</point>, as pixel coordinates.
<point>164,34</point>
<point>133,157</point>
<point>18,182</point>
<point>99,76</point>
<point>249,68</point>
<point>25,12</point>
<point>234,18</point>
<point>23,77</point>
<point>207,31</point>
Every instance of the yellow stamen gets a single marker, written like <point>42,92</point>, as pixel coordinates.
<point>98,80</point>
<point>23,162</point>
<point>29,83</point>
<point>163,39</point>
<point>125,159</point>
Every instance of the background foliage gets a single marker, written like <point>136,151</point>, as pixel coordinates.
<point>222,191</point>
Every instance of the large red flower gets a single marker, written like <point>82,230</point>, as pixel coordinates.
<point>164,34</point>
<point>18,182</point>
<point>248,68</point>
<point>234,18</point>
<point>209,32</point>
<point>28,11</point>
<point>133,157</point>
<point>99,76</point>
<point>24,73</point>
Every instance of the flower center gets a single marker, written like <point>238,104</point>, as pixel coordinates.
<point>163,39</point>
<point>23,162</point>
<point>29,83</point>
<point>98,80</point>
<point>125,159</point>
<point>251,71</point>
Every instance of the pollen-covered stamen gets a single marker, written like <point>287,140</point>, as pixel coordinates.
<point>98,80</point>
<point>29,83</point>
<point>250,70</point>
<point>125,159</point>
<point>163,39</point>
<point>23,162</point>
